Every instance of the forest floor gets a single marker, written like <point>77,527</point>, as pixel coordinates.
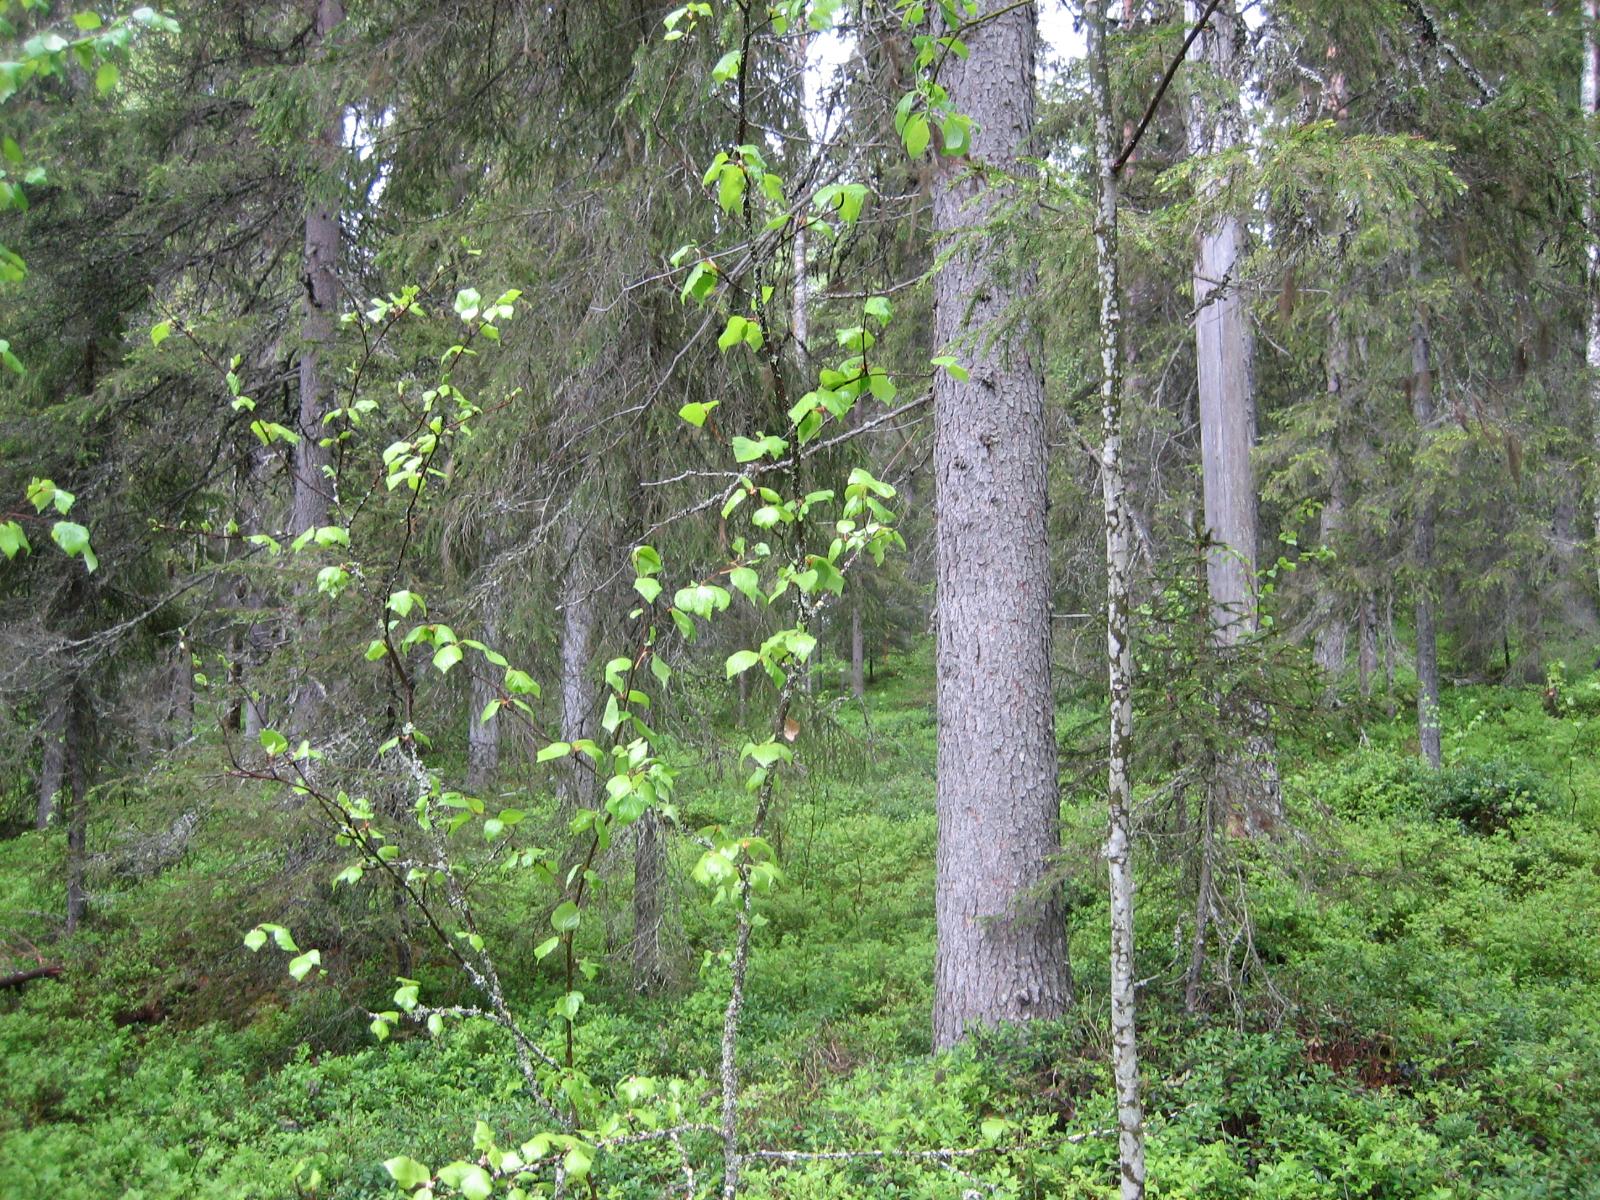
<point>1420,1016</point>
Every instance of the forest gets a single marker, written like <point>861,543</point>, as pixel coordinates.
<point>799,599</point>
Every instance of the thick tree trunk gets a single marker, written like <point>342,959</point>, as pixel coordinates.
<point>1428,735</point>
<point>483,737</point>
<point>1223,353</point>
<point>1002,953</point>
<point>650,967</point>
<point>577,689</point>
<point>1223,347</point>
<point>53,761</point>
<point>1119,631</point>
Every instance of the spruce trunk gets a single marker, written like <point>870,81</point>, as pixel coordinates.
<point>1002,952</point>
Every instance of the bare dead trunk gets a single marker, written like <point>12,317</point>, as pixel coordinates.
<point>483,737</point>
<point>1223,348</point>
<point>53,760</point>
<point>1002,952</point>
<point>1223,353</point>
<point>650,967</point>
<point>1428,734</point>
<point>1119,632</point>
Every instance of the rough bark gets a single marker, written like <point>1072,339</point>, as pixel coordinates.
<point>52,765</point>
<point>312,487</point>
<point>1368,653</point>
<point>75,736</point>
<point>313,461</point>
<point>180,705</point>
<point>577,637</point>
<point>1002,953</point>
<point>1119,633</point>
<point>483,737</point>
<point>1591,109</point>
<point>1333,627</point>
<point>650,968</point>
<point>1428,736</point>
<point>858,654</point>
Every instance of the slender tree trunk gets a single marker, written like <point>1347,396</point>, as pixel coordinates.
<point>577,638</point>
<point>1223,353</point>
<point>483,737</point>
<point>76,736</point>
<point>1002,952</point>
<point>180,706</point>
<point>1428,734</point>
<point>1368,651</point>
<point>313,461</point>
<point>650,968</point>
<point>858,653</point>
<point>1591,109</point>
<point>1119,633</point>
<point>53,761</point>
<point>1333,629</point>
<point>312,487</point>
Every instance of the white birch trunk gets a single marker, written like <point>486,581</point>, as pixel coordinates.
<point>1119,643</point>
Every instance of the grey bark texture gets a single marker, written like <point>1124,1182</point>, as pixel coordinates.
<point>1119,628</point>
<point>1002,953</point>
<point>53,761</point>
<point>76,734</point>
<point>1247,781</point>
<point>650,966</point>
<point>321,262</point>
<point>858,653</point>
<point>577,638</point>
<point>1223,343</point>
<point>1590,97</point>
<point>1369,642</point>
<point>313,462</point>
<point>1428,735</point>
<point>483,737</point>
<point>1333,625</point>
